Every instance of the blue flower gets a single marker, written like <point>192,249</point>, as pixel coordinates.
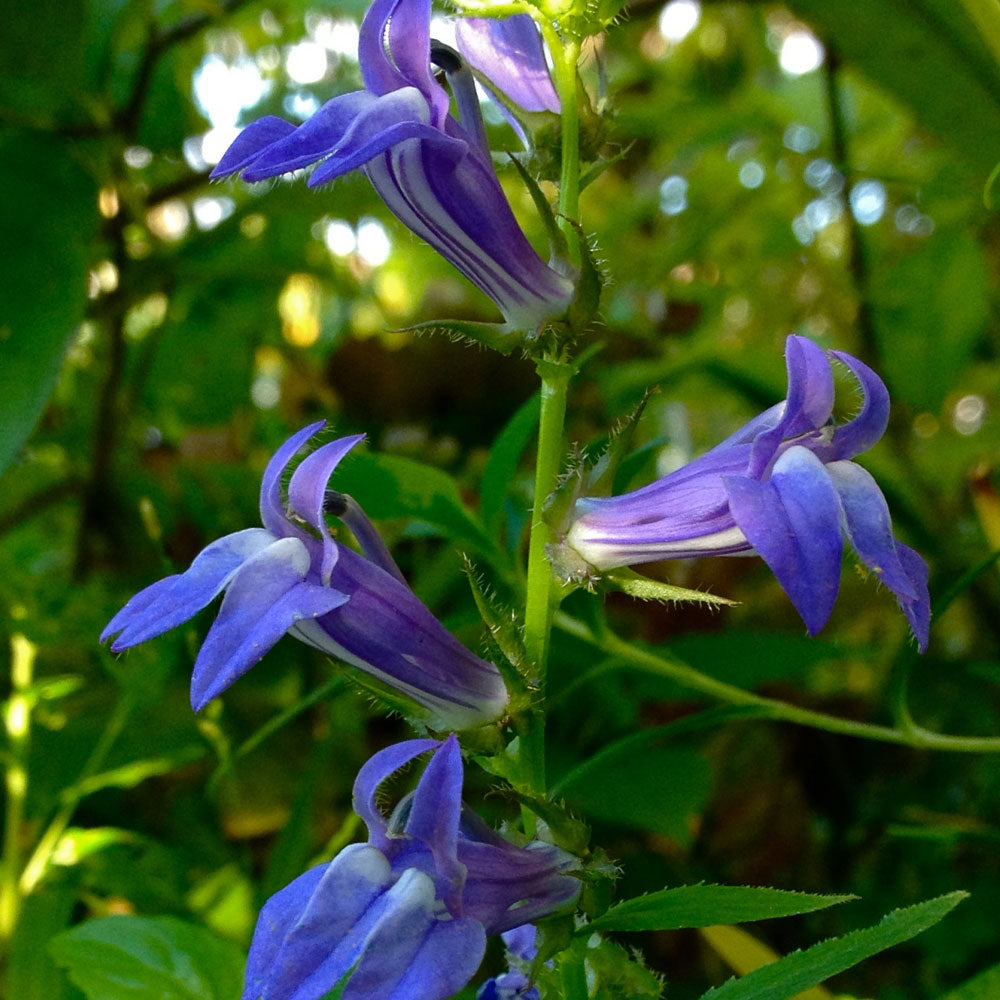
<point>509,53</point>
<point>434,172</point>
<point>293,576</point>
<point>514,984</point>
<point>783,487</point>
<point>405,916</point>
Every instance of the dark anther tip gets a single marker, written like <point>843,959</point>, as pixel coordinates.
<point>334,503</point>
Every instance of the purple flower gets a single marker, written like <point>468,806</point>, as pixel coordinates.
<point>508,52</point>
<point>514,984</point>
<point>292,576</point>
<point>434,173</point>
<point>781,487</point>
<point>405,916</point>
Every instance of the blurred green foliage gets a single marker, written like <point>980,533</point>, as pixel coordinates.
<point>159,336</point>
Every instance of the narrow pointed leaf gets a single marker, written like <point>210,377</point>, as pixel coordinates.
<point>598,167</point>
<point>705,905</point>
<point>558,247</point>
<point>601,478</point>
<point>802,969</point>
<point>656,590</point>
<point>505,631</point>
<point>495,336</point>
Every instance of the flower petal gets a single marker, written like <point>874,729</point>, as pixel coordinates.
<point>376,770</point>
<point>434,818</point>
<point>412,952</point>
<point>386,631</point>
<point>265,598</point>
<point>808,404</point>
<point>869,530</point>
<point>793,522</point>
<point>869,425</point>
<point>250,143</point>
<point>509,54</point>
<point>307,935</point>
<point>166,603</point>
<point>272,510</point>
<point>312,140</point>
<point>307,493</point>
<point>918,612</point>
<point>409,47</point>
<point>507,885</point>
<point>392,119</point>
<point>365,533</point>
<point>279,913</point>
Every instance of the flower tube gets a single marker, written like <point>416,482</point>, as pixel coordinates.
<point>782,487</point>
<point>292,576</point>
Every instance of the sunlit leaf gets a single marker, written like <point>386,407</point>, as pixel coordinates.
<point>130,775</point>
<point>923,52</point>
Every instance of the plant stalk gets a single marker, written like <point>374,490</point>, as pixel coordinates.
<point>17,725</point>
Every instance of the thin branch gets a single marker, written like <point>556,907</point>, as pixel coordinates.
<point>158,43</point>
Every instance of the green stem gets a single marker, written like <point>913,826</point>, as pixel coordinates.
<point>38,863</point>
<point>565,56</point>
<point>538,598</point>
<point>551,420</point>
<point>913,735</point>
<point>17,723</point>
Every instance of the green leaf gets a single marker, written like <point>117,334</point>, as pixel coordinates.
<point>42,54</point>
<point>656,590</point>
<point>78,843</point>
<point>910,47</point>
<point>659,789</point>
<point>610,972</point>
<point>149,958</point>
<point>48,217</point>
<point>501,466</point>
<point>134,773</point>
<point>495,336</point>
<point>706,905</point>
<point>802,969</point>
<point>30,973</point>
<point>615,756</point>
<point>558,247</point>
<point>388,486</point>
<point>931,308</point>
<point>505,630</point>
<point>985,986</point>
